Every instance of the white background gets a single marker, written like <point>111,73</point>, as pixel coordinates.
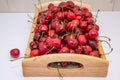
<point>14,33</point>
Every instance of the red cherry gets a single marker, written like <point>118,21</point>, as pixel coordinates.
<point>54,24</point>
<point>89,20</point>
<point>93,34</point>
<point>84,9</point>
<point>53,42</point>
<point>78,18</point>
<point>89,27</point>
<point>79,31</point>
<point>51,33</point>
<point>42,39</point>
<point>36,29</point>
<point>72,25</point>
<point>70,4</point>
<point>65,14</point>
<point>75,8</point>
<point>50,5</point>
<point>35,52</point>
<point>41,20</point>
<point>83,24</point>
<point>68,37</point>
<point>78,13</point>
<point>79,49</point>
<point>56,42</point>
<point>63,6</point>
<point>54,9</point>
<point>72,43</point>
<point>36,36</point>
<point>88,14</point>
<point>71,16</point>
<point>64,50</point>
<point>15,53</point>
<point>96,27</point>
<point>82,39</point>
<point>94,53</point>
<point>64,64</point>
<point>60,29</point>
<point>33,45</point>
<point>43,29</point>
<point>49,15</point>
<point>87,49</point>
<point>43,48</point>
<point>59,16</point>
<point>72,51</point>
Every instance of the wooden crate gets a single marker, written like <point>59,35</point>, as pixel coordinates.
<point>38,66</point>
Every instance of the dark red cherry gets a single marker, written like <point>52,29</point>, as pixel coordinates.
<point>15,52</point>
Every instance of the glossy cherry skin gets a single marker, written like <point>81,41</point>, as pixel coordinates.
<point>35,52</point>
<point>82,39</point>
<point>15,52</point>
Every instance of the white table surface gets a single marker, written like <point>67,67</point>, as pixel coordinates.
<point>14,33</point>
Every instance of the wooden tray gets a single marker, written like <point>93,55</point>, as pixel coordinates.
<point>38,66</point>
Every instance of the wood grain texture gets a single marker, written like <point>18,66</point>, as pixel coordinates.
<point>38,66</point>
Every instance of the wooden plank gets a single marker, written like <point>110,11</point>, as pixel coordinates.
<point>92,66</point>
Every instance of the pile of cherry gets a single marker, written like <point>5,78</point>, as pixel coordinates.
<point>66,28</point>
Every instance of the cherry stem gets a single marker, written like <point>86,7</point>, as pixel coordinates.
<point>39,2</point>
<point>81,3</point>
<point>41,35</point>
<point>30,17</point>
<point>19,58</point>
<point>97,15</point>
<point>59,71</point>
<point>32,22</point>
<point>106,42</point>
<point>37,8</point>
<point>64,36</point>
<point>50,50</point>
<point>49,30</point>
<point>111,49</point>
<point>62,12</point>
<point>106,37</point>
